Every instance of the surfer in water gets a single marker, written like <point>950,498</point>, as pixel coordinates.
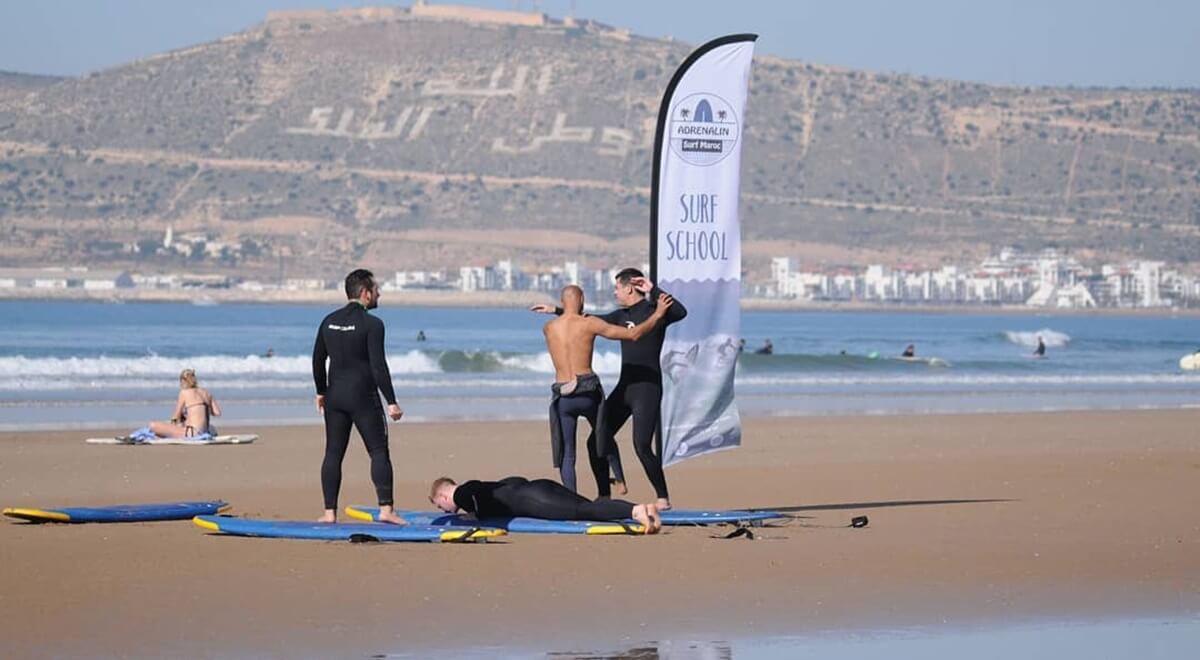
<point>910,351</point>
<point>540,498</point>
<point>348,393</point>
<point>194,409</point>
<point>766,349</point>
<point>577,392</point>
<point>1040,351</point>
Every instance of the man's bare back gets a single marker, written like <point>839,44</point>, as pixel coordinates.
<point>571,337</point>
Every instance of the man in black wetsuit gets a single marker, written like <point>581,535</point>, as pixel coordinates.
<point>540,498</point>
<point>638,393</point>
<point>348,394</point>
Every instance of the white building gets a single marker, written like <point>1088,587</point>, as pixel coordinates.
<point>1147,279</point>
<point>476,278</point>
<point>420,279</point>
<point>107,280</point>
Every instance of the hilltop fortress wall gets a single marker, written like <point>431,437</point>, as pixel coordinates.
<point>420,10</point>
<point>316,19</point>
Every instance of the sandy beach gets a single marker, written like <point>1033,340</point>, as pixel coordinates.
<point>974,519</point>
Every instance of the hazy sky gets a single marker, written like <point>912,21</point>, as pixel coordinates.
<point>1023,42</point>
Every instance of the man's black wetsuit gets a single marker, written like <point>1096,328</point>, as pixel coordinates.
<point>587,401</point>
<point>541,498</point>
<point>352,339</point>
<point>638,393</point>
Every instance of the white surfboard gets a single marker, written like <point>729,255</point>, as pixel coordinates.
<point>1190,362</point>
<point>931,361</point>
<point>219,440</point>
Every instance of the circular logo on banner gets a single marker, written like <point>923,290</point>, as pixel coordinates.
<point>704,129</point>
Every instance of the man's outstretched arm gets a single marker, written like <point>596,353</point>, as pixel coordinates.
<point>610,331</point>
<point>609,317</point>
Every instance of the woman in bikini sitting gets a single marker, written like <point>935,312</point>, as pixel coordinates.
<point>193,411</point>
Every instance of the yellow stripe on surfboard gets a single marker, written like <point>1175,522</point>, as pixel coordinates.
<point>616,529</point>
<point>359,514</point>
<point>37,515</point>
<point>206,524</point>
<point>482,534</point>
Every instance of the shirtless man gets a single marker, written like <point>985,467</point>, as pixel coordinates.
<point>577,392</point>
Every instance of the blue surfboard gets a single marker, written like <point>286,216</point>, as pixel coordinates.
<point>680,517</point>
<point>120,512</point>
<point>700,517</point>
<point>294,529</point>
<point>539,526</point>
<point>512,525</point>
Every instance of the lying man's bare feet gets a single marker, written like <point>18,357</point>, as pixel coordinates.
<point>663,504</point>
<point>388,515</point>
<point>641,513</point>
<point>330,516</point>
<point>619,487</point>
<point>655,518</point>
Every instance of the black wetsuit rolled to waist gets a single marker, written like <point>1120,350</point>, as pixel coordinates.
<point>585,399</point>
<point>540,498</point>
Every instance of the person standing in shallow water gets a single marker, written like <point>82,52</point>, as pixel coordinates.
<point>1040,351</point>
<point>348,393</point>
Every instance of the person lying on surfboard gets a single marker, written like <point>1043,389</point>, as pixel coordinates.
<point>540,498</point>
<point>194,410</point>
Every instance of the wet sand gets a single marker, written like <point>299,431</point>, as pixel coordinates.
<point>974,519</point>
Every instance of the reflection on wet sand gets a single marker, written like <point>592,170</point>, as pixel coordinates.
<point>655,651</point>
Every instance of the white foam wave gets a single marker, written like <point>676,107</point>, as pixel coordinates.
<point>219,385</point>
<point>977,380</point>
<point>497,385</point>
<point>206,366</point>
<point>1053,338</point>
<point>602,363</point>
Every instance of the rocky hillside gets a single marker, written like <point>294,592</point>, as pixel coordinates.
<point>425,137</point>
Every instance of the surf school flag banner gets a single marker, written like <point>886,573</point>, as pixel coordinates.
<point>695,243</point>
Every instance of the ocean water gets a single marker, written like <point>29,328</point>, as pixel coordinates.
<point>96,365</point>
<point>1121,639</point>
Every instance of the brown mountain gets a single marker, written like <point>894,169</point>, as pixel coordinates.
<point>437,135</point>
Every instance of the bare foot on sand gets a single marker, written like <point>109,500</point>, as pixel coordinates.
<point>328,517</point>
<point>388,515</point>
<point>652,511</point>
<point>619,487</point>
<point>641,513</point>
<point>663,504</point>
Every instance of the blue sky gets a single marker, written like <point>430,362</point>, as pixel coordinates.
<point>1153,43</point>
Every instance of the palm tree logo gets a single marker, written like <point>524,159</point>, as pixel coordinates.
<point>684,112</point>
<point>721,114</point>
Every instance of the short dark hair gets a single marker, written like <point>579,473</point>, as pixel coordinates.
<point>357,281</point>
<point>627,274</point>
